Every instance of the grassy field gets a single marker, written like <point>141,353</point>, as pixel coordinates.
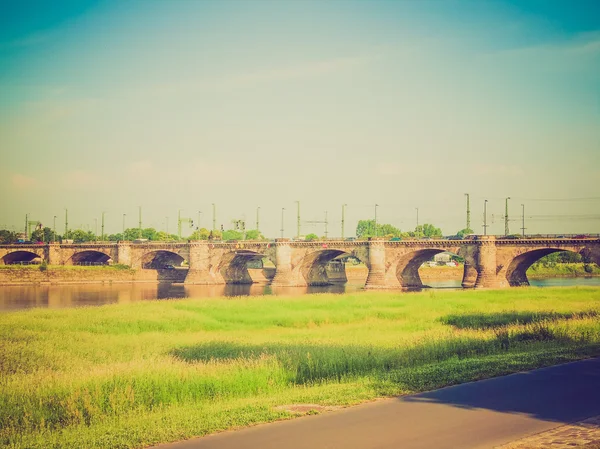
<point>132,375</point>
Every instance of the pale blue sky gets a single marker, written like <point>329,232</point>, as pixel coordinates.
<point>171,105</point>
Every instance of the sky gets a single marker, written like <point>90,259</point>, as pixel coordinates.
<point>109,106</point>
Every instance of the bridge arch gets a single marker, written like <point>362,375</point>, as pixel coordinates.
<point>20,256</point>
<point>407,267</point>
<point>516,272</point>
<point>90,257</point>
<point>160,259</point>
<point>233,266</point>
<point>313,266</point>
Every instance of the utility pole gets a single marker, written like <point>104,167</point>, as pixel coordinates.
<point>485,217</point>
<point>140,224</point>
<point>282,210</point>
<point>66,222</point>
<point>468,212</point>
<point>95,229</point>
<point>167,226</point>
<point>123,236</point>
<point>298,217</point>
<point>198,224</point>
<point>506,230</point>
<point>257,220</point>
<point>343,218</point>
<point>523,225</point>
<point>102,238</point>
<point>214,217</point>
<point>326,225</point>
<point>179,223</point>
<point>54,230</point>
<point>376,219</point>
<point>417,228</point>
<point>26,227</point>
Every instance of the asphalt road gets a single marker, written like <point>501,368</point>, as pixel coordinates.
<point>476,415</point>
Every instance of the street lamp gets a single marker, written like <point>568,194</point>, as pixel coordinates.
<point>506,231</point>
<point>523,228</point>
<point>123,236</point>
<point>214,207</point>
<point>199,215</point>
<point>282,210</point>
<point>417,228</point>
<point>257,220</point>
<point>376,219</point>
<point>343,218</point>
<point>54,230</point>
<point>485,217</point>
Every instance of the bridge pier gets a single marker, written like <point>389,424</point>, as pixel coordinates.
<point>486,263</point>
<point>124,253</point>
<point>283,265</point>
<point>376,278</point>
<point>201,269</point>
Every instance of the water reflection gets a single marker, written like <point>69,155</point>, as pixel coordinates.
<point>74,295</point>
<point>60,296</point>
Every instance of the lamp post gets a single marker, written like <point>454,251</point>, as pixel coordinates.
<point>282,211</point>
<point>214,207</point>
<point>54,230</point>
<point>95,229</point>
<point>506,231</point>
<point>326,223</point>
<point>102,238</point>
<point>257,220</point>
<point>417,228</point>
<point>123,235</point>
<point>523,225</point>
<point>468,212</point>
<point>485,217</point>
<point>199,215</point>
<point>343,218</point>
<point>298,220</point>
<point>26,227</point>
<point>376,219</point>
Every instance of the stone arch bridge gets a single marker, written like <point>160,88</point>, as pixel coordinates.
<point>489,262</point>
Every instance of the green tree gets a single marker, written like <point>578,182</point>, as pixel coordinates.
<point>79,235</point>
<point>200,234</point>
<point>430,230</point>
<point>253,234</point>
<point>311,237</point>
<point>366,228</point>
<point>232,234</point>
<point>7,236</point>
<point>464,232</point>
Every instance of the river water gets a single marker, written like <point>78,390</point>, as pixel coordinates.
<point>76,295</point>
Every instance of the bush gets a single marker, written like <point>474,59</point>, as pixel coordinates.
<point>588,268</point>
<point>43,266</point>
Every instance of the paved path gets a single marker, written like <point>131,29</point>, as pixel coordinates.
<point>477,415</point>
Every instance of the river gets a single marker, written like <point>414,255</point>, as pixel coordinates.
<point>77,295</point>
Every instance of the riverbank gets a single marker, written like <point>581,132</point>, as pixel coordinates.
<point>75,274</point>
<point>69,274</point>
<point>137,374</point>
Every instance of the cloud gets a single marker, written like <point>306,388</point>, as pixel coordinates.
<point>20,181</point>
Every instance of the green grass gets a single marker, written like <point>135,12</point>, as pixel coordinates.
<point>563,269</point>
<point>127,376</point>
